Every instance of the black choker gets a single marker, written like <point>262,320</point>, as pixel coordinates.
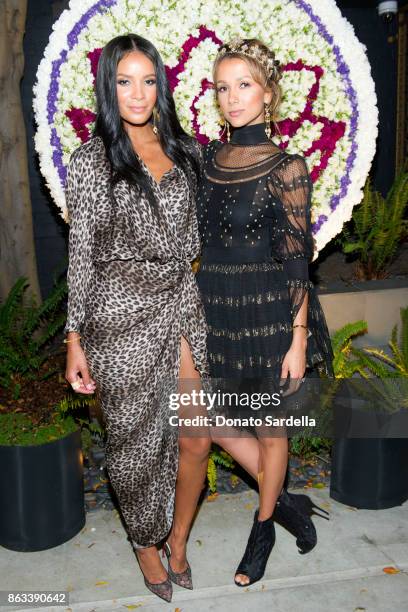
<point>249,134</point>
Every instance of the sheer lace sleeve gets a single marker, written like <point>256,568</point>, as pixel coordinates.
<point>292,239</point>
<point>78,191</point>
<point>200,154</point>
<point>192,239</point>
<point>196,149</point>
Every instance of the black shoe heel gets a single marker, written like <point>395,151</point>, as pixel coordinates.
<point>309,506</point>
<point>294,513</point>
<point>260,543</point>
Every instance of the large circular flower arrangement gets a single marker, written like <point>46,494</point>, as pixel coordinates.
<point>328,113</point>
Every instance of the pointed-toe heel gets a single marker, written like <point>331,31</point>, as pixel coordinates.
<point>164,589</point>
<point>259,546</point>
<point>183,579</point>
<point>294,513</point>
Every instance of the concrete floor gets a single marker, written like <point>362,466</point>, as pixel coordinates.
<point>343,573</point>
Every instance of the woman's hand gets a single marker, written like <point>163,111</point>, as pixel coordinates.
<point>77,373</point>
<point>294,363</point>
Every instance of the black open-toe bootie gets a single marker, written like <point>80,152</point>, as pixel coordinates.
<point>294,513</point>
<point>259,546</point>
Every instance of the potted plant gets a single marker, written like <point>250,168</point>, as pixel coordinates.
<point>41,480</point>
<point>376,229</point>
<point>372,473</point>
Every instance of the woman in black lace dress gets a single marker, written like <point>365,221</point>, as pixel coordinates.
<point>265,322</point>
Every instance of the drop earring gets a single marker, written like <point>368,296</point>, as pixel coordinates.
<point>225,130</point>
<point>268,130</point>
<point>228,130</point>
<point>155,119</point>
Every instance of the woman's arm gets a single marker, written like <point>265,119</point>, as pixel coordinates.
<point>294,246</point>
<point>79,189</point>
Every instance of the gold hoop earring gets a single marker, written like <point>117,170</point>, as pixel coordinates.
<point>155,120</point>
<point>268,130</point>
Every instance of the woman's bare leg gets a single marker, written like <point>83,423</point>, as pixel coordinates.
<point>245,451</point>
<point>272,472</point>
<point>193,461</point>
<point>265,459</point>
<point>151,565</point>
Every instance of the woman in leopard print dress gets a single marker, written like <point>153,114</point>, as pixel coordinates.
<point>133,300</point>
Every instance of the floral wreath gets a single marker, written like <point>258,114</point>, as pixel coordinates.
<point>328,112</point>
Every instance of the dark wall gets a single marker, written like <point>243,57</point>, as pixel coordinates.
<point>51,232</point>
<point>379,38</point>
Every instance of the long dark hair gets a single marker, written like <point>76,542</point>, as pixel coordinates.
<point>176,144</point>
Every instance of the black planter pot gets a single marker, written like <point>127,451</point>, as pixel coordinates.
<point>370,473</point>
<point>42,494</point>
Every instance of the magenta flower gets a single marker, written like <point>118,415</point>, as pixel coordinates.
<point>80,118</point>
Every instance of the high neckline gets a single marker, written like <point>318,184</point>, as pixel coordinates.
<point>250,134</point>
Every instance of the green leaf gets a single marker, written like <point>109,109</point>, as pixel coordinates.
<point>351,247</point>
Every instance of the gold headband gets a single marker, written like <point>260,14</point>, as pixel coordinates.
<point>265,58</point>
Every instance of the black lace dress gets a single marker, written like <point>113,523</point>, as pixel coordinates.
<point>254,219</point>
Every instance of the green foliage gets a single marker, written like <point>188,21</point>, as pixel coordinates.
<point>392,369</point>
<point>25,330</point>
<point>346,362</point>
<point>90,429</point>
<point>212,474</point>
<point>373,364</point>
<point>395,365</point>
<point>219,457</point>
<point>18,428</point>
<point>23,429</point>
<point>306,447</point>
<point>377,227</point>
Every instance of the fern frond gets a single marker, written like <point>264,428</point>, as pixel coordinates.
<point>223,458</point>
<point>342,336</point>
<point>376,367</point>
<point>380,354</point>
<point>52,328</point>
<point>212,474</point>
<point>25,330</point>
<point>404,336</point>
<point>377,226</point>
<point>9,308</point>
<point>49,305</point>
<point>398,357</point>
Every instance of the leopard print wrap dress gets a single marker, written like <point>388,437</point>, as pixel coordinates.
<point>132,295</point>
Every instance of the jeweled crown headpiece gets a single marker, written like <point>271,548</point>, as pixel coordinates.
<point>262,55</point>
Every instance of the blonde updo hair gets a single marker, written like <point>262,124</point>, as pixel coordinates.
<point>264,68</point>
